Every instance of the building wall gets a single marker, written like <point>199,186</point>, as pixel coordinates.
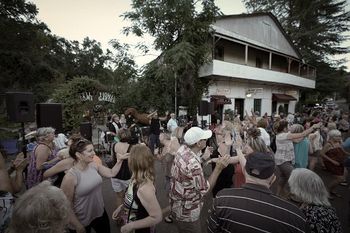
<point>237,90</point>
<point>260,30</point>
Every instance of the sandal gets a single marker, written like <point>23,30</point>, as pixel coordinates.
<point>168,219</point>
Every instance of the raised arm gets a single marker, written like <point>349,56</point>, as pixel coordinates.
<point>107,172</point>
<point>305,133</point>
<point>20,164</point>
<point>61,166</point>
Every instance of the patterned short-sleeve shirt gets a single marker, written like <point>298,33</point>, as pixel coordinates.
<point>188,185</point>
<point>285,149</point>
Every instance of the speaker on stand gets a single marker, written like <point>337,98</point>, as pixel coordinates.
<point>20,109</point>
<point>49,115</point>
<point>211,111</point>
<point>203,109</point>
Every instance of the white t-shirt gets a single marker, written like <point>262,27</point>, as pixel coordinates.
<point>172,125</point>
<point>265,136</point>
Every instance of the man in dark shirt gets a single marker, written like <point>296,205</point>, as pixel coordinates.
<point>253,208</point>
<point>154,131</point>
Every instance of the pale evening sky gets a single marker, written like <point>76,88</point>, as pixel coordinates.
<point>100,20</point>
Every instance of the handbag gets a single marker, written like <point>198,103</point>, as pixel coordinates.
<point>123,216</point>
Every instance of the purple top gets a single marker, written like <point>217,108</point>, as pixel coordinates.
<point>35,176</point>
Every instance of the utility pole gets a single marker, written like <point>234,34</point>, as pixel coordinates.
<point>175,91</point>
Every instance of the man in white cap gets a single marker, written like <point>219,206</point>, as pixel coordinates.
<point>188,184</point>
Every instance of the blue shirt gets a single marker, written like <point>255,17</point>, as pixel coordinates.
<point>301,151</point>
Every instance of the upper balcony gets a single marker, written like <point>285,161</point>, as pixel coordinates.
<point>232,70</point>
<point>236,59</point>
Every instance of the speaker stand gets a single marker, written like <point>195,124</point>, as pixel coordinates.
<point>24,144</point>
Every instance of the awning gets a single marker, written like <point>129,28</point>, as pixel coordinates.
<point>282,97</point>
<point>220,99</point>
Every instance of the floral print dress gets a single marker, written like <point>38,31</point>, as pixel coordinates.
<point>322,219</point>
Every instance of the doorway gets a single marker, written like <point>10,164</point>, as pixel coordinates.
<point>239,108</point>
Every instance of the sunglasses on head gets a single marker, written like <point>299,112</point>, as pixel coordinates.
<point>82,141</point>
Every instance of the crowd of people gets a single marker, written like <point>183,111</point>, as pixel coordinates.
<point>263,177</point>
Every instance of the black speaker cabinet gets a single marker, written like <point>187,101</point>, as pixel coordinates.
<point>86,130</point>
<point>20,106</point>
<point>211,108</point>
<point>203,108</point>
<point>49,115</point>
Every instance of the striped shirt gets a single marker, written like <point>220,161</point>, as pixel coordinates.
<point>253,208</point>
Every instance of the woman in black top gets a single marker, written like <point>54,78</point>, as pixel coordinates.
<point>141,205</point>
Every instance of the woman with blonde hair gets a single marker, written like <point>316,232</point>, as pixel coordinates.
<point>309,191</point>
<point>141,207</point>
<point>254,144</point>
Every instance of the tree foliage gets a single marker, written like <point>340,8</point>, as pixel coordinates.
<point>69,94</point>
<point>181,33</point>
<point>317,28</point>
<point>32,59</point>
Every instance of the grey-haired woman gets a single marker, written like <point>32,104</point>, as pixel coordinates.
<point>309,191</point>
<point>42,157</point>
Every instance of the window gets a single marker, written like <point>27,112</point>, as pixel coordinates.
<point>257,106</point>
<point>219,53</point>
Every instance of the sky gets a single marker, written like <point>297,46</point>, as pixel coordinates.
<point>100,20</point>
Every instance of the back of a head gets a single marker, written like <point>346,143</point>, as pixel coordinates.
<point>124,135</point>
<point>334,133</point>
<point>280,125</point>
<point>260,165</point>
<point>43,132</point>
<point>41,209</point>
<point>141,163</point>
<point>255,141</point>
<point>296,128</point>
<point>262,123</point>
<point>307,187</point>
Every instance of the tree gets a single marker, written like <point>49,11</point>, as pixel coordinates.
<point>181,32</point>
<point>317,29</point>
<point>70,95</point>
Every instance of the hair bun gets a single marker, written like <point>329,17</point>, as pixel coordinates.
<point>254,132</point>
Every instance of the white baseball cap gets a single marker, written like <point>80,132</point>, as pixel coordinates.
<point>195,134</point>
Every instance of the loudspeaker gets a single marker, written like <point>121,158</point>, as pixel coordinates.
<point>20,106</point>
<point>49,115</point>
<point>211,108</point>
<point>86,130</point>
<point>203,108</point>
